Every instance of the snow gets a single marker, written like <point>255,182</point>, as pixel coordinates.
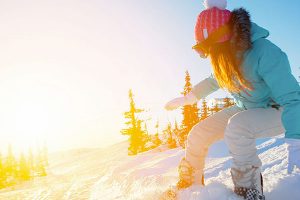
<point>109,173</point>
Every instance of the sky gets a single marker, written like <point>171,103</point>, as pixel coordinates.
<point>66,65</point>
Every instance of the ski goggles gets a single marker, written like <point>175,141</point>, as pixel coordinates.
<point>202,48</point>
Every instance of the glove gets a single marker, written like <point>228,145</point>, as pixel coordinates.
<point>293,153</point>
<point>189,99</point>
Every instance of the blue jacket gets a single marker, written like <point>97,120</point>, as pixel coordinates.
<point>269,71</point>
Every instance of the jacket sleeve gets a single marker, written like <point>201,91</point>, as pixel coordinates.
<point>205,87</point>
<point>275,70</point>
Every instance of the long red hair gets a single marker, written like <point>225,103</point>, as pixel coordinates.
<point>227,67</point>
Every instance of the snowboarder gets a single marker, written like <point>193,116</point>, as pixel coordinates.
<point>257,74</point>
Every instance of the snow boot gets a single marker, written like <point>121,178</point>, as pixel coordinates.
<point>248,183</point>
<point>188,175</point>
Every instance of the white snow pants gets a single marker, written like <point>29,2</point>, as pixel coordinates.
<point>239,128</point>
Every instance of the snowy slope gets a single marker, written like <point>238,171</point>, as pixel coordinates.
<point>107,174</point>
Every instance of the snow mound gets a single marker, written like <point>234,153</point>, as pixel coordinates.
<point>110,174</point>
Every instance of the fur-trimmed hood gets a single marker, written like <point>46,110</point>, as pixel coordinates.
<point>244,32</point>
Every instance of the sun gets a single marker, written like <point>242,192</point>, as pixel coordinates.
<point>33,112</point>
<point>32,120</point>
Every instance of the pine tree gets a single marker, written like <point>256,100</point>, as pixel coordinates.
<point>227,102</point>
<point>30,162</point>
<point>148,142</point>
<point>40,164</point>
<point>157,126</point>
<point>24,169</point>
<point>134,130</point>
<point>10,167</point>
<point>176,129</point>
<point>169,138</point>
<point>10,162</point>
<point>2,174</point>
<point>146,129</point>
<point>204,110</point>
<point>177,133</point>
<point>157,141</point>
<point>142,137</point>
<point>12,171</point>
<point>190,112</point>
<point>45,155</point>
<point>215,108</point>
<point>166,134</point>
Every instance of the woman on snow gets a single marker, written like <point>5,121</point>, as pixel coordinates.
<point>257,74</point>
